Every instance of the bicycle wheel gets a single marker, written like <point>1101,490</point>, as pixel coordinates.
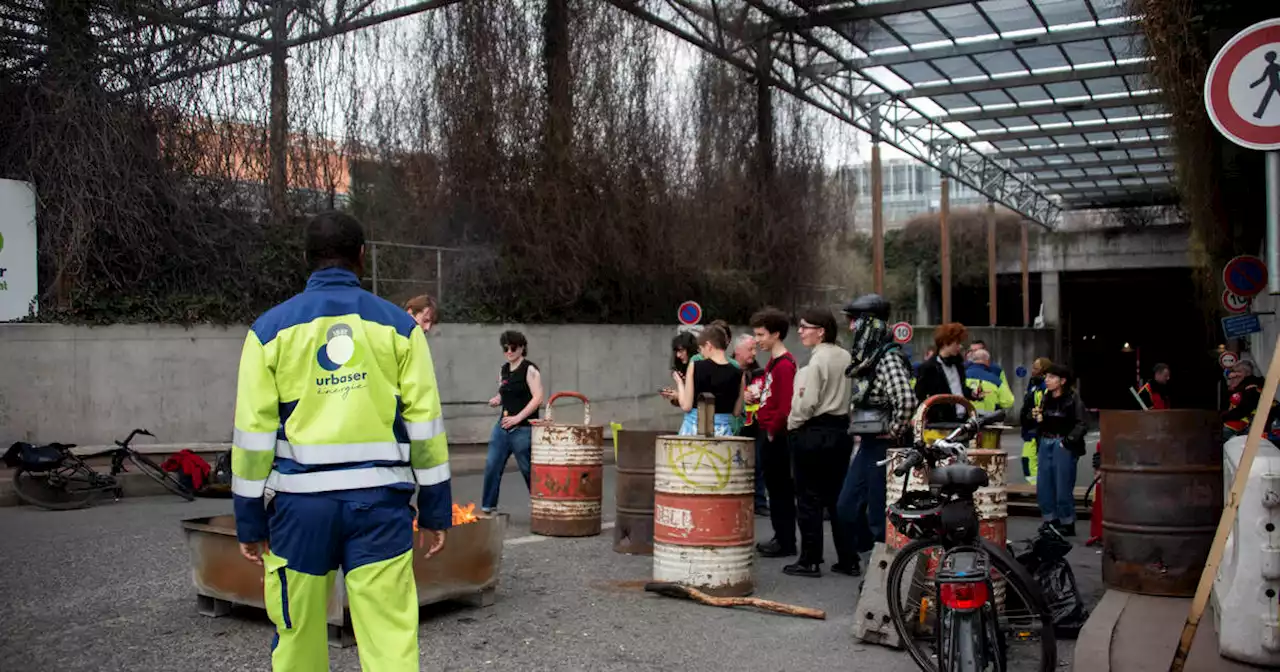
<point>165,478</point>
<point>1024,628</point>
<point>57,489</point>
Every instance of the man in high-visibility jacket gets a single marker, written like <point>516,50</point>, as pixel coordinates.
<point>982,375</point>
<point>337,413</point>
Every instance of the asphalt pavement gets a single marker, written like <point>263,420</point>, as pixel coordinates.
<point>109,588</point>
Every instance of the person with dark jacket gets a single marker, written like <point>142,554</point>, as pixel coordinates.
<point>944,373</point>
<point>1245,386</point>
<point>881,406</point>
<point>1030,400</point>
<point>1060,429</point>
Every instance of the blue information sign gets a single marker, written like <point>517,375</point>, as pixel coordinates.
<point>1239,326</point>
<point>1020,372</point>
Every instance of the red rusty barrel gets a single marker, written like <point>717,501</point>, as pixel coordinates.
<point>567,465</point>
<point>704,527</point>
<point>1162,476</point>
<point>633,529</point>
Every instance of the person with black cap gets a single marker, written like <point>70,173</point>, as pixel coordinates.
<point>881,405</point>
<point>1060,429</point>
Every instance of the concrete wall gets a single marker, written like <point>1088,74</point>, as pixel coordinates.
<point>89,385</point>
<point>1100,250</point>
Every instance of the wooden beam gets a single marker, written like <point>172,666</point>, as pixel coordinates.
<point>1228,519</point>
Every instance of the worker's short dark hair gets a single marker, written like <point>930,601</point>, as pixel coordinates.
<point>771,320</point>
<point>333,239</point>
<point>1159,369</point>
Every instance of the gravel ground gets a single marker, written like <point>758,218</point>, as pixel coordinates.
<point>109,588</point>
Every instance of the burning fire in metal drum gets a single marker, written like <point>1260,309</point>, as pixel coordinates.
<point>461,515</point>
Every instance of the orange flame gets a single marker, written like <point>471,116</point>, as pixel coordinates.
<point>461,515</point>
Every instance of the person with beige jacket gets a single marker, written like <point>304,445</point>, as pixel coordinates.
<point>820,445</point>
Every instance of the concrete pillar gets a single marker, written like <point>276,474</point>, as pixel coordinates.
<point>923,299</point>
<point>1051,298</point>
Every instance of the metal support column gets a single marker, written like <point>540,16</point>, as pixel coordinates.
<point>1273,222</point>
<point>877,207</point>
<point>992,294</point>
<point>944,237</point>
<point>439,277</point>
<point>1026,276</point>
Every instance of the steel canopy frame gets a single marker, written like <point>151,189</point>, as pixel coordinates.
<point>738,34</point>
<point>146,43</point>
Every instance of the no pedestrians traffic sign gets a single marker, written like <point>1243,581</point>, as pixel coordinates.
<point>1242,88</point>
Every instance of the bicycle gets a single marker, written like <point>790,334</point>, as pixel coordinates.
<point>52,477</point>
<point>968,579</point>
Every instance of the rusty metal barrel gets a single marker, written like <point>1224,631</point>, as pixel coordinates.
<point>704,529</point>
<point>991,501</point>
<point>1162,481</point>
<point>633,529</point>
<point>567,474</point>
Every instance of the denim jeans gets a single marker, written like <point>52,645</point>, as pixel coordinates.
<point>502,445</point>
<point>1056,481</point>
<point>862,498</point>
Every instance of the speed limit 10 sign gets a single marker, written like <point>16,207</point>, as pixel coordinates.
<point>902,332</point>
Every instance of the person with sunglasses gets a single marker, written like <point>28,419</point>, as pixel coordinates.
<point>519,395</point>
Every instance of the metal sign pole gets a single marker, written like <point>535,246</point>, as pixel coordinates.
<point>1273,221</point>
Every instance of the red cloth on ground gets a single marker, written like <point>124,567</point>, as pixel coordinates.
<point>190,464</point>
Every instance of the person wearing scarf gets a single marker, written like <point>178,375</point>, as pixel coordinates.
<point>880,377</point>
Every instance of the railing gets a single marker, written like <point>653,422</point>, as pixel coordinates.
<point>377,277</point>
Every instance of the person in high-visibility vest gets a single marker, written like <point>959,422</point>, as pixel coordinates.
<point>1030,401</point>
<point>982,375</point>
<point>338,413</point>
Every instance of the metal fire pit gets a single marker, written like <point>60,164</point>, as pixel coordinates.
<point>466,570</point>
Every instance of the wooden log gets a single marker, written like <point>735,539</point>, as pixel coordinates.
<point>685,592</point>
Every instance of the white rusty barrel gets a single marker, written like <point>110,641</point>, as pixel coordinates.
<point>704,528</point>
<point>567,475</point>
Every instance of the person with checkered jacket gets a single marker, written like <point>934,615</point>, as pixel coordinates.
<point>881,409</point>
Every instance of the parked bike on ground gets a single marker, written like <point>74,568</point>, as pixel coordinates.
<point>975,606</point>
<point>52,477</point>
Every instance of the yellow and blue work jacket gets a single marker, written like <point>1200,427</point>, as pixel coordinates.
<point>337,394</point>
<point>995,388</point>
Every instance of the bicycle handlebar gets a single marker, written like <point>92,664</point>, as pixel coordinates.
<point>945,447</point>
<point>127,441</point>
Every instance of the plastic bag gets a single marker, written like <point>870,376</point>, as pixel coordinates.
<point>1047,546</point>
<point>1058,583</point>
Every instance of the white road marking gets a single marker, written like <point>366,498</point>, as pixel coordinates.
<point>531,538</point>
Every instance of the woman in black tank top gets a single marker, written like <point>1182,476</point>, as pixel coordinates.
<point>519,395</point>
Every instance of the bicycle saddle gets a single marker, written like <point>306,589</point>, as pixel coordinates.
<point>959,475</point>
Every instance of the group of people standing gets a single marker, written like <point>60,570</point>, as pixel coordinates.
<point>805,421</point>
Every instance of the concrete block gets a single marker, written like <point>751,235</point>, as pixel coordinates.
<point>872,624</point>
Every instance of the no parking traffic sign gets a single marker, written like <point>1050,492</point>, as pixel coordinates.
<point>1245,276</point>
<point>689,313</point>
<point>1242,88</point>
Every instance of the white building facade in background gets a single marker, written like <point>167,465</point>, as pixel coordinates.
<point>18,285</point>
